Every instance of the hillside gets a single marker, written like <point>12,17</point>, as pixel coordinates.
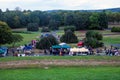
<point>99,10</point>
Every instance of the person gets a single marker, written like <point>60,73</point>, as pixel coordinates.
<point>61,53</point>
<point>13,51</point>
<point>45,51</point>
<point>50,51</point>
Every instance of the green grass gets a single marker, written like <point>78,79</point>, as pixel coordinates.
<point>62,73</point>
<point>112,39</point>
<point>4,59</point>
<point>27,37</point>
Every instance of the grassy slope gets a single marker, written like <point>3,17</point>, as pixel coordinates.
<point>62,73</point>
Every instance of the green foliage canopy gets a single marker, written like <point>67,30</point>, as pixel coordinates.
<point>5,33</point>
<point>46,42</point>
<point>69,37</point>
<point>32,27</point>
<point>93,39</point>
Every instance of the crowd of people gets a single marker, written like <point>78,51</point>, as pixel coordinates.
<point>113,51</point>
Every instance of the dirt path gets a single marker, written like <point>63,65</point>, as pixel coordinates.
<point>43,63</point>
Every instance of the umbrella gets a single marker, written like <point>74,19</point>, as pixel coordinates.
<point>65,46</point>
<point>80,43</point>
<point>62,44</point>
<point>56,46</point>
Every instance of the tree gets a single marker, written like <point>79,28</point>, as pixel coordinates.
<point>69,37</point>
<point>5,33</point>
<point>45,29</point>
<point>16,38</point>
<point>32,27</point>
<point>94,21</point>
<point>69,19</point>
<point>94,34</point>
<point>54,25</point>
<point>72,28</point>
<point>81,20</point>
<point>93,39</point>
<point>103,20</point>
<point>47,42</point>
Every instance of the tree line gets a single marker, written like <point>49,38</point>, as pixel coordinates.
<point>54,19</point>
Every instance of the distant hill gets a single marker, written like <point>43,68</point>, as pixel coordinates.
<point>99,10</point>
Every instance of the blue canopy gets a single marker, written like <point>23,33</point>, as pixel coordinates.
<point>56,46</point>
<point>61,46</point>
<point>3,50</point>
<point>65,46</point>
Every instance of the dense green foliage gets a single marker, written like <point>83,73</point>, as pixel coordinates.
<point>94,34</point>
<point>115,29</point>
<point>94,21</point>
<point>5,33</point>
<point>46,42</point>
<point>45,29</point>
<point>62,73</point>
<point>32,27</point>
<point>54,25</point>
<point>16,38</point>
<point>72,28</point>
<point>103,20</point>
<point>98,21</point>
<point>69,37</point>
<point>93,39</point>
<point>81,20</point>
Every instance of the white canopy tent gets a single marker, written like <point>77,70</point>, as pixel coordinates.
<point>83,49</point>
<point>79,51</point>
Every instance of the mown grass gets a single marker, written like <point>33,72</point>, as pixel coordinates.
<point>62,73</point>
<point>4,59</point>
<point>28,37</point>
<point>112,39</point>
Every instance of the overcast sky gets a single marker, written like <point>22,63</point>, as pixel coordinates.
<point>58,4</point>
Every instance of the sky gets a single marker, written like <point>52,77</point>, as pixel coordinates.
<point>58,4</point>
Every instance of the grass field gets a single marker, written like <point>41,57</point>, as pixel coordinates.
<point>112,39</point>
<point>28,37</point>
<point>40,71</point>
<point>116,58</point>
<point>62,73</point>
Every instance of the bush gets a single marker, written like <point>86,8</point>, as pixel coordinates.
<point>5,33</point>
<point>47,42</point>
<point>93,42</point>
<point>72,28</point>
<point>69,37</point>
<point>45,29</point>
<point>92,39</point>
<point>94,34</point>
<point>32,27</point>
<point>115,29</point>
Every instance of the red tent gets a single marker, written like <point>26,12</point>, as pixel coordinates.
<point>80,43</point>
